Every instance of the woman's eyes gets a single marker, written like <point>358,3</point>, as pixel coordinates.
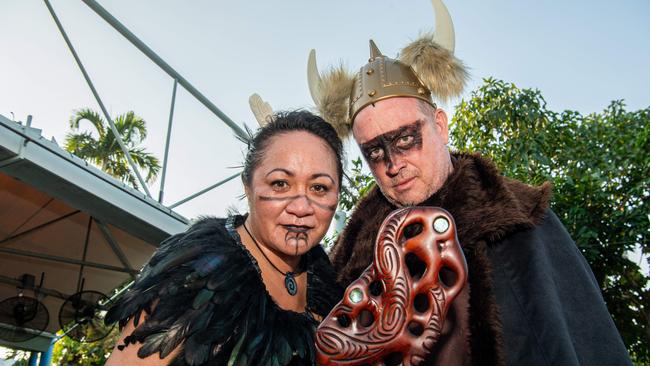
<point>282,186</point>
<point>320,188</point>
<point>279,184</point>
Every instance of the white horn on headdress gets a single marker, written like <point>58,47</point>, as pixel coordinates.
<point>444,34</point>
<point>313,77</point>
<point>432,58</point>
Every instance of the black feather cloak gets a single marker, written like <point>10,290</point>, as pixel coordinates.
<point>210,300</point>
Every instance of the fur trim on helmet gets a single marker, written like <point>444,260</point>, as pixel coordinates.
<point>438,69</point>
<point>334,104</point>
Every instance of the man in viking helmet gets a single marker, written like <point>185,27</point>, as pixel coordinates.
<point>531,298</point>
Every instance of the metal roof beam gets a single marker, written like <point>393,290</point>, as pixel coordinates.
<point>42,290</point>
<point>167,140</point>
<point>110,19</point>
<point>56,258</point>
<point>115,246</point>
<point>22,233</point>
<point>116,133</point>
<point>205,190</point>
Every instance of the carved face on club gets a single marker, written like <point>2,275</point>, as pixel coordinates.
<point>394,313</point>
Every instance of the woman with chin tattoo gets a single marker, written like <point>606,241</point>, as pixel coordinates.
<point>249,289</point>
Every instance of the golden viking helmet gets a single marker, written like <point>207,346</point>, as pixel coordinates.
<point>383,78</point>
<point>426,68</point>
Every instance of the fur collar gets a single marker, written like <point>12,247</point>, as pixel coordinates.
<point>486,207</point>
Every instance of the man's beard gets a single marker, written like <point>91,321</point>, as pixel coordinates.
<point>429,191</point>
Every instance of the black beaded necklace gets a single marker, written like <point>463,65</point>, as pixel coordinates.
<point>289,277</point>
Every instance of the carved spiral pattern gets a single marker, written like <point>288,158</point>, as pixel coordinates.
<point>366,330</point>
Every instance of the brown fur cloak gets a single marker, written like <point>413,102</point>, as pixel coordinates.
<point>533,299</point>
<point>486,207</point>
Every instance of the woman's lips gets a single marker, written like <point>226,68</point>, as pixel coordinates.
<point>297,228</point>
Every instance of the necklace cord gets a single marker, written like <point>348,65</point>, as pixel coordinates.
<point>264,254</point>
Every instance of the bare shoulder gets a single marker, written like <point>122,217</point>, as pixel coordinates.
<point>129,355</point>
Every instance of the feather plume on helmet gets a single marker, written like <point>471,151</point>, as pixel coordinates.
<point>427,68</point>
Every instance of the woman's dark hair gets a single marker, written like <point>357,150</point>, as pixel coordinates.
<point>286,122</point>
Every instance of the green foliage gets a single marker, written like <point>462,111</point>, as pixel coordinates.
<point>105,152</point>
<point>68,352</point>
<point>20,358</point>
<point>600,168</point>
<point>355,186</point>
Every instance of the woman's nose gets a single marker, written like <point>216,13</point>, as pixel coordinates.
<point>300,206</point>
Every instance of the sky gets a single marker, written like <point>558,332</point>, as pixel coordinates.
<point>580,54</point>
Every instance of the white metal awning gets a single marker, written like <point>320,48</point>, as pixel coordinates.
<point>63,217</point>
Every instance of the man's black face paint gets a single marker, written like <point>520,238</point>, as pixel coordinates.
<point>400,141</point>
<point>290,198</point>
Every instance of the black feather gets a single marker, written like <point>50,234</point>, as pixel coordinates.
<point>151,345</point>
<point>203,296</point>
<point>197,351</point>
<point>204,293</point>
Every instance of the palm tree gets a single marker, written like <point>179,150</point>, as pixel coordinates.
<point>105,152</point>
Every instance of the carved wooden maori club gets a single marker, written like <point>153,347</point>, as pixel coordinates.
<point>393,314</point>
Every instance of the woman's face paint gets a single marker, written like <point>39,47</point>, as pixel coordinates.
<point>293,193</point>
<point>298,236</point>
<point>314,202</point>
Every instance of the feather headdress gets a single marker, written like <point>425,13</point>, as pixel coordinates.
<point>262,110</point>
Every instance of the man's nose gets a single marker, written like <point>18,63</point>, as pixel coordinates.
<point>393,166</point>
<point>300,206</point>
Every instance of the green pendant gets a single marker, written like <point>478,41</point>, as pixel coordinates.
<point>290,284</point>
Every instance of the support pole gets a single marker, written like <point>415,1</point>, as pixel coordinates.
<point>83,258</point>
<point>118,138</point>
<point>46,357</point>
<point>49,292</point>
<point>110,239</point>
<point>169,133</point>
<point>204,190</point>
<point>33,358</point>
<point>110,19</point>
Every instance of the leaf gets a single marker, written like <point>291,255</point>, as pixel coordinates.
<point>105,152</point>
